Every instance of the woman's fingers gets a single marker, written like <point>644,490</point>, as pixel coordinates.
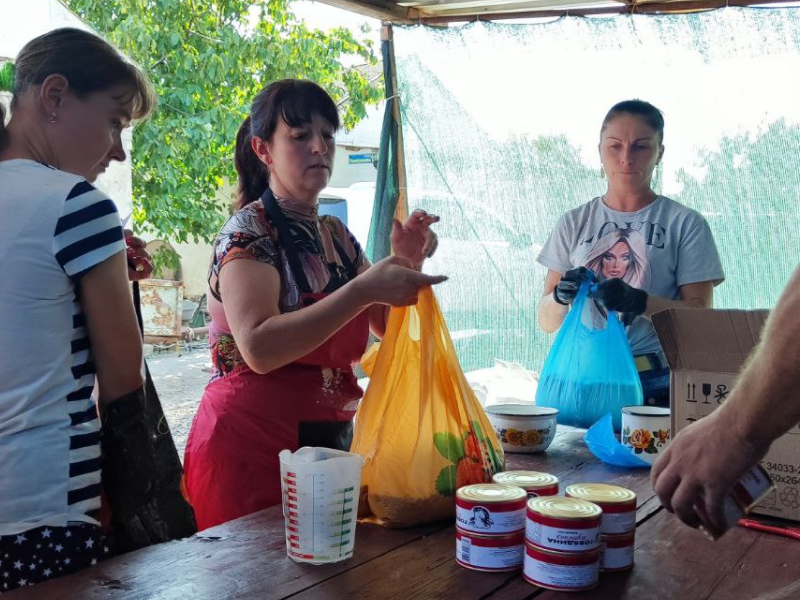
<point>431,243</point>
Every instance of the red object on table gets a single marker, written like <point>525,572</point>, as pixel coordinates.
<point>792,532</point>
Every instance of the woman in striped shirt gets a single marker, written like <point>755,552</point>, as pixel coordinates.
<point>66,315</point>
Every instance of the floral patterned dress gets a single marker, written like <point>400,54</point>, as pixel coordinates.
<point>245,419</point>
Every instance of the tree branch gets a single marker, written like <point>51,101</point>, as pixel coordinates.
<point>205,37</point>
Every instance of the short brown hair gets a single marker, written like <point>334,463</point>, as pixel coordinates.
<point>87,61</point>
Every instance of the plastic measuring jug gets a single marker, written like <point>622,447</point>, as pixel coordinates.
<point>320,503</point>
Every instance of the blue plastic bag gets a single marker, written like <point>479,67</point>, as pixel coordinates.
<point>589,371</point>
<point>601,441</point>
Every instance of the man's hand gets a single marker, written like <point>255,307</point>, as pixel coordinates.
<point>703,463</point>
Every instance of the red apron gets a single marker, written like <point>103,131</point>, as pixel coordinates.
<point>231,466</point>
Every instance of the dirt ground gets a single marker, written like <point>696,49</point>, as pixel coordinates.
<point>179,377</point>
<point>181,374</point>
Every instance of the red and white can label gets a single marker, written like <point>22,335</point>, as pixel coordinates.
<point>616,553</point>
<point>748,492</point>
<point>565,537</point>
<point>544,491</point>
<point>490,554</point>
<point>553,572</point>
<point>490,518</point>
<point>618,519</point>
<point>755,484</point>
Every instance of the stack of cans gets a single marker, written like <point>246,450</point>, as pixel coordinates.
<point>618,528</point>
<point>533,482</point>
<point>562,543</point>
<point>490,527</point>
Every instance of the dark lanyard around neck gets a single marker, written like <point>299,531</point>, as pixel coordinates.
<point>279,220</point>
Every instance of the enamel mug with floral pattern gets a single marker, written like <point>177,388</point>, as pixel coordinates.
<point>646,431</point>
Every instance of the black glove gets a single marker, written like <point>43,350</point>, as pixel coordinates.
<point>617,295</point>
<point>566,290</point>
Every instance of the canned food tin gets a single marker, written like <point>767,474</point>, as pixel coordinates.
<point>616,552</point>
<point>618,504</point>
<point>533,482</point>
<point>490,509</point>
<point>752,488</point>
<point>563,524</point>
<point>748,492</point>
<point>562,571</point>
<point>489,552</point>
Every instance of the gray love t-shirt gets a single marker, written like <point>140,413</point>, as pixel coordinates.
<point>657,249</point>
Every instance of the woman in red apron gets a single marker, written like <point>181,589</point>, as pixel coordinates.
<point>290,319</point>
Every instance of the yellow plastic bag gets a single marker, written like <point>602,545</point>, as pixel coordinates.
<point>420,428</point>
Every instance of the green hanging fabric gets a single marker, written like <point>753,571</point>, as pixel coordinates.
<point>386,188</point>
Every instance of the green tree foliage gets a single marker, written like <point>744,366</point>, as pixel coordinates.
<point>7,77</point>
<point>749,191</point>
<point>208,60</point>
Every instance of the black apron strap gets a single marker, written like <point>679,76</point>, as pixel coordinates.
<point>346,262</point>
<point>279,220</point>
<point>137,306</point>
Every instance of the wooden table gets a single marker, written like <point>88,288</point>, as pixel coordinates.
<point>246,558</point>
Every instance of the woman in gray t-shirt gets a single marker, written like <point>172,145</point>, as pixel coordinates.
<point>648,252</point>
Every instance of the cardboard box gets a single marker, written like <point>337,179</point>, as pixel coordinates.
<point>705,350</point>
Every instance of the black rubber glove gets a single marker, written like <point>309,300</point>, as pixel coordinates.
<point>566,290</point>
<point>617,295</point>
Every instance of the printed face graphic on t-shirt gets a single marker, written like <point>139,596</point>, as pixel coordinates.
<point>616,261</point>
<point>620,254</point>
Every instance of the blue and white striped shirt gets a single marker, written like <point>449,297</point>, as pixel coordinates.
<point>54,228</point>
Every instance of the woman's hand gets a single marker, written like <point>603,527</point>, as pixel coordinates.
<point>394,281</point>
<point>414,240</point>
<point>139,260</point>
<point>567,289</point>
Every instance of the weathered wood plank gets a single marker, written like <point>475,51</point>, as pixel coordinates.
<point>423,570</point>
<point>770,570</point>
<point>388,10</point>
<point>426,568</point>
<point>246,557</point>
<point>674,561</point>
<point>567,451</point>
<point>223,562</point>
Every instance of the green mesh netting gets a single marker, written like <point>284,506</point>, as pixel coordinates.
<point>501,124</point>
<point>386,186</point>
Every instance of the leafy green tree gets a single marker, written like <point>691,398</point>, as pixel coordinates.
<point>749,191</point>
<point>207,60</point>
<point>6,77</point>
